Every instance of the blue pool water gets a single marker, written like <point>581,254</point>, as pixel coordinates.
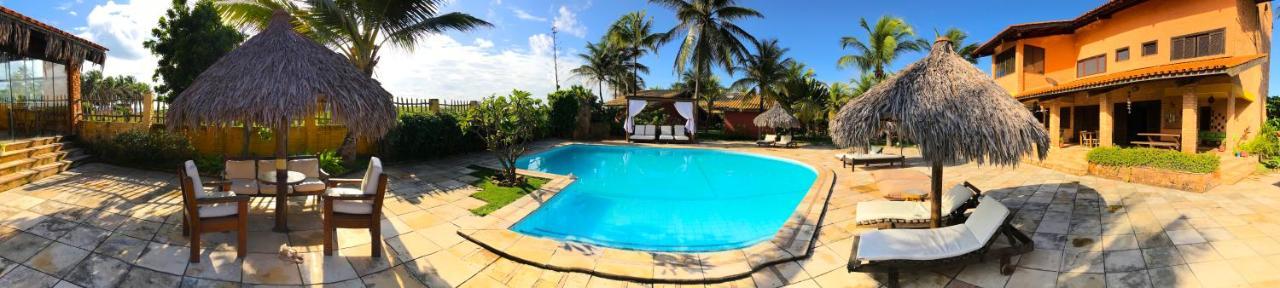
<point>666,199</point>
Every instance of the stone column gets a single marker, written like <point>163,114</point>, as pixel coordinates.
<point>74,112</point>
<point>148,109</point>
<point>1231,128</point>
<point>1189,121</point>
<point>1105,125</point>
<point>1055,126</point>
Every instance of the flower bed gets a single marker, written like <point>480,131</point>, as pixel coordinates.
<point>1157,167</point>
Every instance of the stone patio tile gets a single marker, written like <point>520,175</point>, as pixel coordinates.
<point>362,261</point>
<point>1081,280</point>
<point>1132,279</point>
<point>122,247</point>
<point>19,246</point>
<point>1188,236</point>
<point>1023,277</point>
<point>1162,257</point>
<point>306,241</point>
<point>1233,249</point>
<point>1083,262</point>
<point>1216,234</point>
<point>412,246</point>
<point>821,260</point>
<point>216,264</point>
<point>422,219</point>
<point>441,270</point>
<point>52,227</point>
<point>788,272</point>
<point>262,268</point>
<point>393,226</point>
<point>1172,276</point>
<point>352,237</point>
<point>21,276</point>
<point>268,242</point>
<point>1196,253</point>
<point>57,259</point>
<point>1047,260</point>
<point>444,235</point>
<point>1049,241</point>
<point>192,282</point>
<point>1256,270</point>
<point>317,268</point>
<point>1152,240</point>
<point>143,277</point>
<point>1084,243</point>
<point>395,277</point>
<point>1124,261</point>
<point>97,271</point>
<point>85,236</point>
<point>171,259</point>
<point>1263,245</point>
<point>140,229</point>
<point>1119,242</point>
<point>1217,274</point>
<point>984,274</point>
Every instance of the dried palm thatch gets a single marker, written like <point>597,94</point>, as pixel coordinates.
<point>279,76</point>
<point>776,117</point>
<point>18,33</point>
<point>954,111</point>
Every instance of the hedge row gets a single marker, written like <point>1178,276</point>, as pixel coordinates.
<point>1154,158</point>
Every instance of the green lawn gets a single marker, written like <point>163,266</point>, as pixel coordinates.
<point>498,196</point>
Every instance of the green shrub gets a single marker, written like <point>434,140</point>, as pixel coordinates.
<point>209,164</point>
<point>331,162</point>
<point>1266,145</point>
<point>145,149</point>
<point>1154,158</point>
<point>1214,137</point>
<point>564,105</point>
<point>430,136</point>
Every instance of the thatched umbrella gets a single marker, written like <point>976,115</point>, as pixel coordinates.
<point>953,111</point>
<point>776,118</point>
<point>276,77</point>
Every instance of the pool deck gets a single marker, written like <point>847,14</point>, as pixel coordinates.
<point>793,241</point>
<point>100,225</point>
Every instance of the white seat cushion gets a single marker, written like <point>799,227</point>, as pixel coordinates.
<point>643,137</point>
<point>307,166</point>
<point>873,156</point>
<point>987,218</point>
<point>217,210</point>
<point>876,210</point>
<point>954,198</point>
<point>681,138</point>
<point>190,168</point>
<point>917,244</point>
<point>239,169</point>
<point>350,206</point>
<point>244,186</point>
<point>310,185</point>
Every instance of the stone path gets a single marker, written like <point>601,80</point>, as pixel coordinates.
<point>106,226</point>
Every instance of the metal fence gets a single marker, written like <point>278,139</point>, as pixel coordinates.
<point>112,108</point>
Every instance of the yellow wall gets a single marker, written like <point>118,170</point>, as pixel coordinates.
<point>229,141</point>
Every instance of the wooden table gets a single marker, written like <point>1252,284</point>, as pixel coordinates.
<point>282,200</point>
<point>1153,141</point>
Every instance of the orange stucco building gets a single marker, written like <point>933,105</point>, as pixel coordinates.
<point>1132,67</point>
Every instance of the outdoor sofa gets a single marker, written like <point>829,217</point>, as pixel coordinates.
<point>645,133</point>
<point>893,250</point>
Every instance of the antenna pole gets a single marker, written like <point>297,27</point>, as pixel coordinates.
<point>555,56</point>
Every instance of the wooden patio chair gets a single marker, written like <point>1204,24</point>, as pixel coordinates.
<point>892,250</point>
<point>360,208</point>
<point>205,212</point>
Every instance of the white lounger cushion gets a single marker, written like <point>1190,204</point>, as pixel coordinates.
<point>911,210</point>
<point>666,133</point>
<point>244,186</point>
<point>679,131</point>
<point>217,210</point>
<point>350,206</point>
<point>937,243</point>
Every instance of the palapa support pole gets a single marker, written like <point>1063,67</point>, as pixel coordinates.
<point>935,193</point>
<point>282,175</point>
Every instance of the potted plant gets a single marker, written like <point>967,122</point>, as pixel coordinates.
<point>1214,138</point>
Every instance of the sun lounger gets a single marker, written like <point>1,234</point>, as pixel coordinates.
<point>679,134</point>
<point>784,141</point>
<point>768,140</point>
<point>872,150</point>
<point>898,214</point>
<point>644,133</point>
<point>666,133</point>
<point>893,250</point>
<point>852,161</point>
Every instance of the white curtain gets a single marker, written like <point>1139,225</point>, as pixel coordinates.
<point>633,108</point>
<point>686,110</point>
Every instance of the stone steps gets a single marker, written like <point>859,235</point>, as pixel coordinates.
<point>29,160</point>
<point>1235,169</point>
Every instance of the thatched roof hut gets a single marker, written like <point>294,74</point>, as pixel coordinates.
<point>776,117</point>
<point>951,109</point>
<point>279,76</point>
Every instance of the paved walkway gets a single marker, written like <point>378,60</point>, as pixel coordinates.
<point>106,226</point>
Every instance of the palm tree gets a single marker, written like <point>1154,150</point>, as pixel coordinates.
<point>890,37</point>
<point>357,29</point>
<point>605,63</point>
<point>764,71</point>
<point>710,86</point>
<point>807,97</point>
<point>711,38</point>
<point>634,33</point>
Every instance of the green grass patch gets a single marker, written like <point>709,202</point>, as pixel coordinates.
<point>498,196</point>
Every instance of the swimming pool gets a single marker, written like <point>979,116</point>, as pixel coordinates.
<point>666,199</point>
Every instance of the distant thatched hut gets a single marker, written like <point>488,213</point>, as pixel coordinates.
<point>275,78</point>
<point>776,117</point>
<point>953,111</point>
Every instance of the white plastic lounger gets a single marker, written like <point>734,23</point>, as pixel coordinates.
<point>679,134</point>
<point>644,133</point>
<point>666,133</point>
<point>896,214</point>
<point>892,250</point>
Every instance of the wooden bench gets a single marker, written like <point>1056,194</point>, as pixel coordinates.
<point>1155,144</point>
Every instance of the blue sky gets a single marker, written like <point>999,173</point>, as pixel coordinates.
<point>516,53</point>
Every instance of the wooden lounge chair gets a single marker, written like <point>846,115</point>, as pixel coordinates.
<point>768,140</point>
<point>785,141</point>
<point>904,214</point>
<point>866,160</point>
<point>346,207</point>
<point>205,212</point>
<point>893,250</point>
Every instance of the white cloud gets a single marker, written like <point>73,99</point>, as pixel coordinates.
<point>122,27</point>
<point>441,67</point>
<point>520,13</point>
<point>483,43</point>
<point>567,22</point>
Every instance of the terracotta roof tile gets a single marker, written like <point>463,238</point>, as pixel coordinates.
<point>1188,68</point>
